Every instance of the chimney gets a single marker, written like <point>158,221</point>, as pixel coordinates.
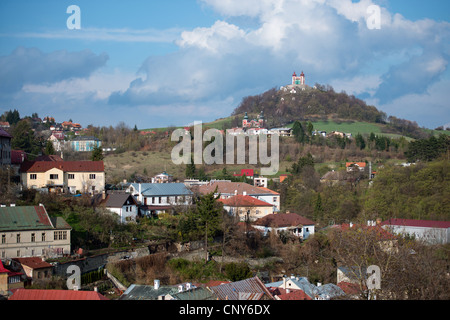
<point>156,284</point>
<point>244,193</point>
<point>95,289</point>
<point>378,221</point>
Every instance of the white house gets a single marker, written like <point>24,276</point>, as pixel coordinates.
<point>123,204</point>
<point>432,232</point>
<point>291,223</point>
<point>156,198</point>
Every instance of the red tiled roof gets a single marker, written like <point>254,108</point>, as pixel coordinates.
<point>281,220</point>
<point>268,190</point>
<point>66,166</point>
<point>33,262</point>
<point>294,294</point>
<point>244,201</point>
<point>359,164</point>
<point>416,223</point>
<point>37,294</point>
<point>349,288</point>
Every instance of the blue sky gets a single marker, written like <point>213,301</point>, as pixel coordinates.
<point>160,63</point>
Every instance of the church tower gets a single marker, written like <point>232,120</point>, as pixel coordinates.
<point>261,119</point>
<point>302,78</point>
<point>294,78</point>
<point>245,121</point>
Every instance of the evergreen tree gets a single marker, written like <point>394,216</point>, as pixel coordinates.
<point>191,170</point>
<point>97,154</point>
<point>298,132</point>
<point>49,149</point>
<point>318,208</point>
<point>360,142</point>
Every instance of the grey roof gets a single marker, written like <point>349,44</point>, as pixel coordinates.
<point>118,200</point>
<point>146,292</point>
<point>326,291</point>
<point>329,291</point>
<point>248,289</point>
<point>162,189</point>
<point>195,294</point>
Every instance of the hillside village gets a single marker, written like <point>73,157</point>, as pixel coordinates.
<point>217,235</point>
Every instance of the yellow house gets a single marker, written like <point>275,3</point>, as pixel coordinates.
<point>64,176</point>
<point>247,208</point>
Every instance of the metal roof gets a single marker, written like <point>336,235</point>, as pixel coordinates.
<point>24,218</point>
<point>195,294</point>
<point>162,189</point>
<point>146,292</point>
<point>248,289</point>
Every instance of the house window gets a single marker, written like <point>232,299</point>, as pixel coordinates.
<point>159,199</point>
<point>274,199</point>
<point>3,238</point>
<point>71,176</point>
<point>18,253</point>
<point>60,235</point>
<point>53,176</point>
<point>153,200</point>
<point>18,238</point>
<point>43,236</point>
<point>92,176</point>
<point>33,176</point>
<point>33,237</point>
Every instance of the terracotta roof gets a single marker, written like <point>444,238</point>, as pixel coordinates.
<point>66,166</point>
<point>244,201</point>
<point>37,294</point>
<point>359,164</point>
<point>33,262</point>
<point>224,187</point>
<point>281,220</point>
<point>416,223</point>
<point>294,294</point>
